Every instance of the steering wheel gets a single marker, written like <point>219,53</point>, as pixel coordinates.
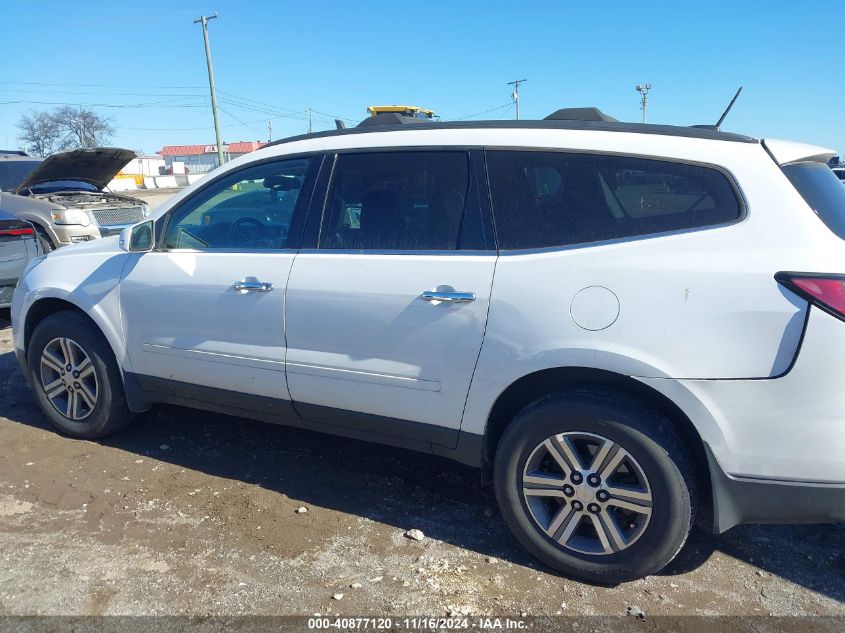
<point>247,231</point>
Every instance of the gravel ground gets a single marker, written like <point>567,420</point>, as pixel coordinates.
<point>193,513</point>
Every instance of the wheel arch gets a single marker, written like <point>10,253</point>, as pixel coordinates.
<point>46,306</point>
<point>40,223</point>
<point>539,383</point>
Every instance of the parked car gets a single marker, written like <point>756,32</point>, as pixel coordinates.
<point>18,247</point>
<point>630,328</point>
<point>15,165</point>
<point>65,196</point>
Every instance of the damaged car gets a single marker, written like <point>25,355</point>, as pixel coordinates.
<point>66,197</point>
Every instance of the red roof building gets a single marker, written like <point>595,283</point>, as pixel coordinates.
<point>202,158</point>
<point>241,147</point>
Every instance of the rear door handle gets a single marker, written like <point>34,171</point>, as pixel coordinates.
<point>450,297</point>
<point>253,286</point>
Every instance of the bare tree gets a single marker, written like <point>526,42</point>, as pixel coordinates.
<point>66,127</point>
<point>81,127</point>
<point>39,133</point>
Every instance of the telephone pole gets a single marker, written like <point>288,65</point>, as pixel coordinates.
<point>269,131</point>
<point>309,120</point>
<point>515,95</point>
<point>643,90</point>
<point>204,21</point>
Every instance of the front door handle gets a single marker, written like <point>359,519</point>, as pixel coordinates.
<point>450,297</point>
<point>253,286</point>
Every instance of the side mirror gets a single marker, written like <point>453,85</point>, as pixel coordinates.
<point>138,238</point>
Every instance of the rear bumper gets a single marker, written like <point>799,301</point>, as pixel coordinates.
<point>739,500</point>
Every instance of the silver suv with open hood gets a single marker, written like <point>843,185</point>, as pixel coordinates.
<point>65,196</point>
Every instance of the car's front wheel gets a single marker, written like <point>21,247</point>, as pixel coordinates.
<point>75,376</point>
<point>44,240</point>
<point>595,485</point>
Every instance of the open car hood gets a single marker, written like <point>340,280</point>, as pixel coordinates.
<point>95,165</point>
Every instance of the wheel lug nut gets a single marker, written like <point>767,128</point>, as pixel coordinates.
<point>577,505</point>
<point>76,374</point>
<point>594,480</point>
<point>577,478</point>
<point>568,490</point>
<point>68,367</point>
<point>76,385</point>
<point>593,507</point>
<point>602,495</point>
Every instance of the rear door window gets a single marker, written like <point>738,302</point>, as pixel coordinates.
<point>546,199</point>
<point>822,190</point>
<point>401,201</point>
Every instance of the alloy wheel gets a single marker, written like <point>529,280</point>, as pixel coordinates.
<point>68,378</point>
<point>587,493</point>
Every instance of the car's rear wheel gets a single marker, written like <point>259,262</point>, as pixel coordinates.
<point>75,376</point>
<point>595,485</point>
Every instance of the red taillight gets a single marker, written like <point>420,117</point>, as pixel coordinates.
<point>17,232</point>
<point>824,291</point>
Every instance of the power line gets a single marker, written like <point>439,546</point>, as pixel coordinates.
<point>469,116</point>
<point>43,83</point>
<point>154,104</point>
<point>104,94</point>
<point>189,129</point>
<point>239,121</point>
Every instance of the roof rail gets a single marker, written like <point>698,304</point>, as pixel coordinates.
<point>391,118</point>
<point>580,114</point>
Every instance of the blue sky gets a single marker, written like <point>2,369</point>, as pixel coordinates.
<point>274,59</point>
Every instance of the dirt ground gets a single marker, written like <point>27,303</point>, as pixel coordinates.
<point>194,513</point>
<point>154,197</point>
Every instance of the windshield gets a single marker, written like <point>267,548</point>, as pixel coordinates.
<point>12,172</point>
<point>62,185</point>
<point>822,190</point>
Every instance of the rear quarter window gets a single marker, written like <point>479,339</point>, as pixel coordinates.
<point>822,191</point>
<point>546,199</point>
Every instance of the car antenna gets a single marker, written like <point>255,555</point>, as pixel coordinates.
<point>340,124</point>
<point>728,109</point>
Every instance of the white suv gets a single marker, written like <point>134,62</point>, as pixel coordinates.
<point>629,327</point>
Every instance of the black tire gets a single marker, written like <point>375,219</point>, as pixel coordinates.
<point>649,439</point>
<point>44,240</point>
<point>110,413</point>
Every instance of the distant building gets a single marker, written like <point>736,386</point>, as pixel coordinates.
<point>198,159</point>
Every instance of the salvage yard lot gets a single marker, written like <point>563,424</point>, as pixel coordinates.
<point>190,512</point>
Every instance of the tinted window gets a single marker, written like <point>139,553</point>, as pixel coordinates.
<point>544,199</point>
<point>398,201</point>
<point>252,209</point>
<point>825,194</point>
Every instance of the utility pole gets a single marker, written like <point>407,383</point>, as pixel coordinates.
<point>643,90</point>
<point>515,94</point>
<point>204,21</point>
<point>269,131</point>
<point>309,120</point>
